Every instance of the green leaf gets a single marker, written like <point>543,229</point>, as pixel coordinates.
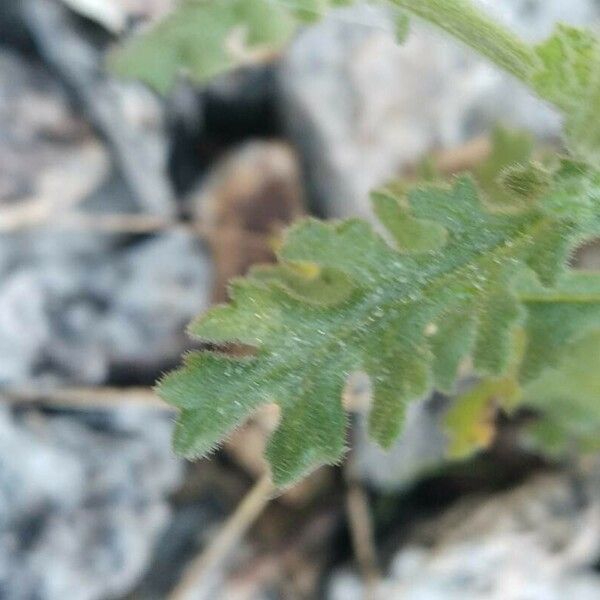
<point>451,340</point>
<point>557,327</point>
<point>550,359</point>
<point>525,181</point>
<point>509,148</point>
<point>402,23</point>
<point>203,38</point>
<point>568,398</point>
<point>557,317</point>
<point>575,195</point>
<point>569,77</point>
<point>307,282</point>
<point>455,282</point>
<point>406,316</point>
<point>566,67</point>
<point>409,234</point>
<point>470,422</point>
<point>511,178</point>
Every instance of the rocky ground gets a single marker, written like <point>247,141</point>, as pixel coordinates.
<point>122,215</point>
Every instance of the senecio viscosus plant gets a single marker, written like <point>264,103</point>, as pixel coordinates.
<point>474,270</point>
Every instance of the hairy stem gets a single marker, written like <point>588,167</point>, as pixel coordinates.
<point>463,20</point>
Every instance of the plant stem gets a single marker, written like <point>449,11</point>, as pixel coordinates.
<point>463,20</point>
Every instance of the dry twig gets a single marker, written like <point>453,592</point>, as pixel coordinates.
<point>361,531</point>
<point>59,189</point>
<point>85,398</point>
<point>360,524</point>
<point>203,572</point>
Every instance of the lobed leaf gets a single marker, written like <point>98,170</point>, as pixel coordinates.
<point>204,38</point>
<point>544,374</point>
<point>458,279</point>
<point>568,75</point>
<point>342,299</point>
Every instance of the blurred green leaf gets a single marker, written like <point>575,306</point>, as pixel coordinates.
<point>557,317</point>
<point>568,398</point>
<point>203,38</point>
<point>569,76</point>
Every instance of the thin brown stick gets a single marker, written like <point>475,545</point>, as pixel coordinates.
<point>202,573</point>
<point>84,398</point>
<point>129,224</point>
<point>360,523</point>
<point>59,189</point>
<point>361,532</point>
<point>119,223</point>
<point>35,215</point>
<point>49,212</point>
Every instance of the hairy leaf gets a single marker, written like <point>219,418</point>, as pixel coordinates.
<point>405,315</point>
<point>569,76</point>
<point>567,397</point>
<point>509,149</point>
<point>558,325</point>
<point>470,422</point>
<point>454,277</point>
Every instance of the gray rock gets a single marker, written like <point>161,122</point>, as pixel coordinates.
<point>127,115</point>
<point>535,19</point>
<point>83,495</point>
<point>75,316</point>
<point>421,447</point>
<point>82,501</point>
<point>362,108</point>
<point>159,286</point>
<point>539,541</point>
<point>75,305</point>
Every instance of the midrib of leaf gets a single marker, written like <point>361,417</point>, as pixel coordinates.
<point>589,295</point>
<point>364,312</point>
<point>558,298</point>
